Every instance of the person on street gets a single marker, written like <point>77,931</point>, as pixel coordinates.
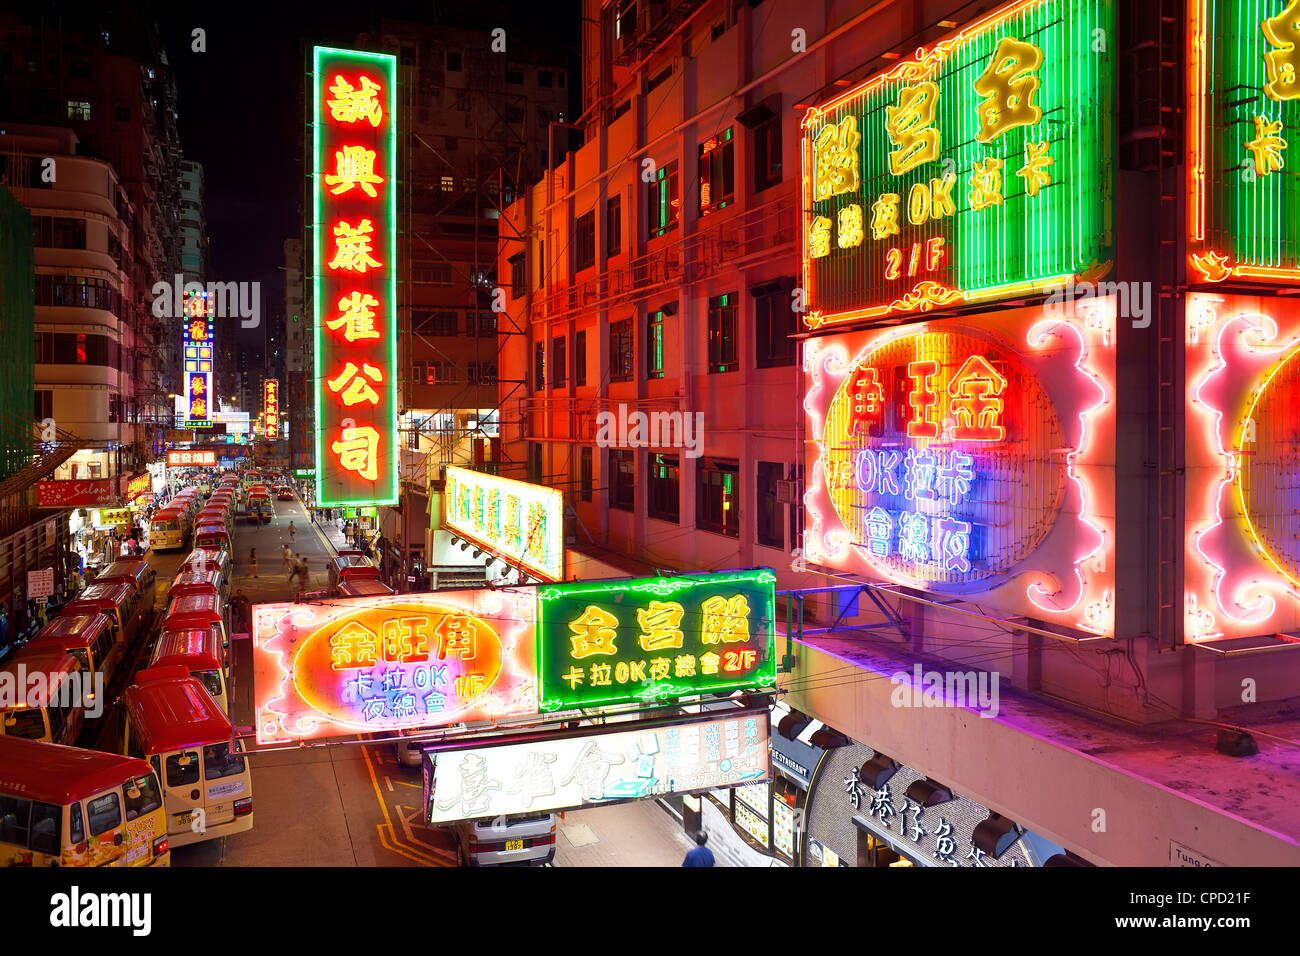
<point>292,531</point>
<point>701,855</point>
<point>252,560</point>
<point>287,562</point>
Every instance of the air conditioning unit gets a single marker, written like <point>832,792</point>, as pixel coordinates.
<point>787,492</point>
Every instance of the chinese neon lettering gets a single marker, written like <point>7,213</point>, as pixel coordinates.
<point>353,646</point>
<point>879,532</point>
<point>353,384</point>
<point>1034,171</point>
<point>909,127</point>
<point>404,640</point>
<point>661,626</point>
<point>985,183</point>
<point>819,237</point>
<point>868,398</point>
<point>850,233</point>
<point>350,105</point>
<point>456,635</point>
<point>354,166</point>
<point>884,216</point>
<point>914,537</point>
<point>358,450</point>
<point>357,319</point>
<point>919,469</point>
<point>1267,146</point>
<point>975,399</point>
<point>836,151</point>
<point>923,399</point>
<point>352,247</point>
<point>1008,87</point>
<point>725,620</point>
<point>593,633</point>
<point>1281,63</point>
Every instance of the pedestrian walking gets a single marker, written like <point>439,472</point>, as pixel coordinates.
<point>292,531</point>
<point>252,560</point>
<point>287,562</point>
<point>305,576</point>
<point>701,855</point>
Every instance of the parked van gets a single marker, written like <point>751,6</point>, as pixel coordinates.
<point>190,612</point>
<point>119,601</point>
<point>60,718</point>
<point>351,567</point>
<point>206,581</point>
<point>213,537</point>
<point>260,506</point>
<point>169,528</point>
<point>202,559</point>
<point>527,840</point>
<point>87,637</point>
<point>139,574</point>
<point>363,587</point>
<point>199,652</point>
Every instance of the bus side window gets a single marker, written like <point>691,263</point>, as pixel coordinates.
<point>105,813</point>
<point>58,721</point>
<point>15,813</point>
<point>183,768</point>
<point>47,828</point>
<point>76,830</point>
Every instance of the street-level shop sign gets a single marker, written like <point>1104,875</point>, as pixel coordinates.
<point>979,169</point>
<point>568,773</point>
<point>339,667</point>
<point>353,122</point>
<point>1243,87</point>
<point>198,354</point>
<point>521,522</point>
<point>602,643</point>
<point>93,491</point>
<point>971,456</point>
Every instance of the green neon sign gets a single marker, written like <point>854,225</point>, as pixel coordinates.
<point>979,169</point>
<point>601,643</point>
<point>1244,111</point>
<point>354,238</point>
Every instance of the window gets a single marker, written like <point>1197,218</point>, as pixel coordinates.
<point>585,234</point>
<point>654,344</point>
<point>44,404</point>
<point>482,373</point>
<point>183,769</point>
<point>76,827</point>
<point>659,78</point>
<point>47,823</point>
<point>444,323</point>
<point>454,62</point>
<point>218,761</point>
<point>770,529</point>
<point>665,206</point>
<point>774,323</point>
<point>614,226</point>
<point>431,273</point>
<point>105,813</point>
<point>620,109</point>
<point>580,358</point>
<point>625,20</point>
<point>78,109</point>
<point>717,172</point>
<point>620,351</point>
<point>515,75</point>
<point>539,366</point>
<point>57,232</point>
<point>15,814</point>
<point>767,154</point>
<point>121,114</point>
<point>541,264</point>
<point>142,795</point>
<point>559,362</point>
<point>418,371</point>
<point>116,409</point>
<point>448,184</point>
<point>622,479</point>
<point>518,276</point>
<point>451,142</point>
<point>73,290</point>
<point>482,324</point>
<point>406,56</point>
<point>717,504</point>
<point>584,472</point>
<point>664,492</point>
<point>545,78</point>
<point>722,334</point>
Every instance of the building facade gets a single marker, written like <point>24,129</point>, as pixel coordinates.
<point>921,279</point>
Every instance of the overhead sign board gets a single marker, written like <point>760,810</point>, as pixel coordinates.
<point>201,458</point>
<point>608,766</point>
<point>601,643</point>
<point>521,522</point>
<point>979,169</point>
<point>198,353</point>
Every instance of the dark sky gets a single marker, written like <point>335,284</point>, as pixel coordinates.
<point>240,114</point>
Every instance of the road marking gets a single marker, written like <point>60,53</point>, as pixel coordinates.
<point>383,806</point>
<point>389,782</point>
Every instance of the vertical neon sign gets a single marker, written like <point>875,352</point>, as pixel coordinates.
<point>197,349</point>
<point>354,178</point>
<point>271,408</point>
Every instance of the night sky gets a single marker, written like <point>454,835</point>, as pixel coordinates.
<point>240,114</point>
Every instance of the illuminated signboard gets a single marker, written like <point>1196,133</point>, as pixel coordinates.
<point>971,457</point>
<point>614,642</point>
<point>202,459</point>
<point>603,767</point>
<point>1243,215</point>
<point>334,668</point>
<point>197,352</point>
<point>521,522</point>
<point>979,169</point>
<point>271,408</point>
<point>139,485</point>
<point>354,189</point>
<point>1242,564</point>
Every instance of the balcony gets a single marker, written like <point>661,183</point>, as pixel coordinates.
<point>656,21</point>
<point>715,247</point>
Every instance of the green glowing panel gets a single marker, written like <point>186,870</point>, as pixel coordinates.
<point>601,643</point>
<point>980,169</point>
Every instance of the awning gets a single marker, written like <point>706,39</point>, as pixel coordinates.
<point>792,755</point>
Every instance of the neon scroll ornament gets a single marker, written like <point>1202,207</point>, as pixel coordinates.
<point>953,460</point>
<point>1243,390</point>
<point>348,666</point>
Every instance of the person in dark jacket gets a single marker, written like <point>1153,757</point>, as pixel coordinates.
<point>701,855</point>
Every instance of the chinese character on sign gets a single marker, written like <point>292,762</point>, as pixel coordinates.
<point>855,788</point>
<point>923,399</point>
<point>956,476</point>
<point>358,451</point>
<point>919,475</point>
<point>1008,87</point>
<point>590,769</point>
<point>357,319</point>
<point>884,216</point>
<point>456,636</point>
<point>684,666</point>
<point>535,778</point>
<point>912,827</point>
<point>353,646</point>
<point>914,537</point>
<point>1267,146</point>
<point>709,663</point>
<point>985,183</point>
<point>951,544</point>
<point>909,127</point>
<point>353,166</point>
<point>868,397</point>
<point>475,787</point>
<point>661,624</point>
<point>352,382</point>
<point>724,620</point>
<point>1034,171</point>
<point>405,641</point>
<point>1281,32</point>
<point>850,234</point>
<point>879,532</point>
<point>836,152</point>
<point>882,805</point>
<point>593,633</point>
<point>944,845</point>
<point>352,247</point>
<point>819,237</point>
<point>976,401</point>
<point>351,104</point>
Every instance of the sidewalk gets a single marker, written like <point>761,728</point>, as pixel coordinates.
<point>629,834</point>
